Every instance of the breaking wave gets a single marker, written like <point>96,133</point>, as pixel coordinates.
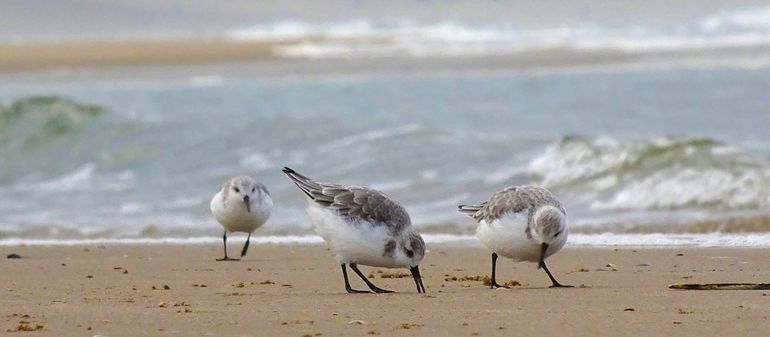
<point>666,173</point>
<point>373,38</point>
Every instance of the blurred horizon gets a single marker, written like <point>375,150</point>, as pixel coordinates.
<point>51,34</point>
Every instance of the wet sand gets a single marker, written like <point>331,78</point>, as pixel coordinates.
<point>97,53</point>
<point>297,290</point>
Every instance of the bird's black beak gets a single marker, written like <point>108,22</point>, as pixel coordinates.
<point>543,248</point>
<point>247,202</point>
<point>417,279</point>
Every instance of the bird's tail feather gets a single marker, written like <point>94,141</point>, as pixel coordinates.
<point>305,184</point>
<point>469,210</point>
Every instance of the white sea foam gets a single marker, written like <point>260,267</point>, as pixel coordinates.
<point>134,208</point>
<point>429,175</point>
<point>390,186</point>
<point>505,173</point>
<point>758,240</point>
<point>83,178</point>
<point>575,160</point>
<point>664,173</point>
<point>370,38</point>
<point>288,239</point>
<point>185,202</point>
<point>371,135</point>
<point>77,180</point>
<point>205,81</point>
<point>755,19</point>
<point>156,241</point>
<point>256,161</point>
<point>672,240</point>
<point>675,188</point>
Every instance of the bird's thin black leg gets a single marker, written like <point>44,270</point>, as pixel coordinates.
<point>347,283</point>
<point>224,242</point>
<point>541,264</point>
<point>494,284</point>
<point>371,285</point>
<point>245,246</point>
<point>556,284</point>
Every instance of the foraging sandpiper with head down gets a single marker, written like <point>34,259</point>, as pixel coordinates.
<point>362,226</point>
<point>523,223</point>
<point>241,205</point>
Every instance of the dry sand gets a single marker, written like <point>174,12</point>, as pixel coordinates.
<point>296,290</point>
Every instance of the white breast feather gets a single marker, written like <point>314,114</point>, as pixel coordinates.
<point>363,243</point>
<point>235,218</point>
<point>507,237</point>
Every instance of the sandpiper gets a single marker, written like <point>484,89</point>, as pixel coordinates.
<point>241,205</point>
<point>524,223</point>
<point>362,226</point>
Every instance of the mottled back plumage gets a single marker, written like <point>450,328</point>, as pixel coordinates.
<point>514,199</point>
<point>354,202</point>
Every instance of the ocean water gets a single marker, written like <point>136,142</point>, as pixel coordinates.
<point>666,150</point>
<point>671,153</point>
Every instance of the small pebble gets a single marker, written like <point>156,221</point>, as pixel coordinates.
<point>14,256</point>
<point>356,322</point>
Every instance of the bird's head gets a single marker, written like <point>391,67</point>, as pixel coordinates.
<point>245,189</point>
<point>410,250</point>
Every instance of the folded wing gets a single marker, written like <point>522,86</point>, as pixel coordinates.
<point>355,202</point>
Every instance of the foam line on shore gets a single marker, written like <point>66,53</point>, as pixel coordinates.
<point>746,240</point>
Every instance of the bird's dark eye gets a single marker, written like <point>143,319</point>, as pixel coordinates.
<point>253,190</point>
<point>557,234</point>
<point>409,253</point>
<point>236,189</point>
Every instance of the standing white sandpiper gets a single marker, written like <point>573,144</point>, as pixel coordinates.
<point>241,205</point>
<point>524,223</point>
<point>362,226</point>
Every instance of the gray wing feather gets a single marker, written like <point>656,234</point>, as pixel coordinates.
<point>355,202</point>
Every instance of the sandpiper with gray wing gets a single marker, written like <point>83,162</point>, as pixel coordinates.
<point>362,226</point>
<point>241,205</point>
<point>524,223</point>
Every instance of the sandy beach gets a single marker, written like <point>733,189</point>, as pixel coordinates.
<point>297,290</point>
<point>95,53</point>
